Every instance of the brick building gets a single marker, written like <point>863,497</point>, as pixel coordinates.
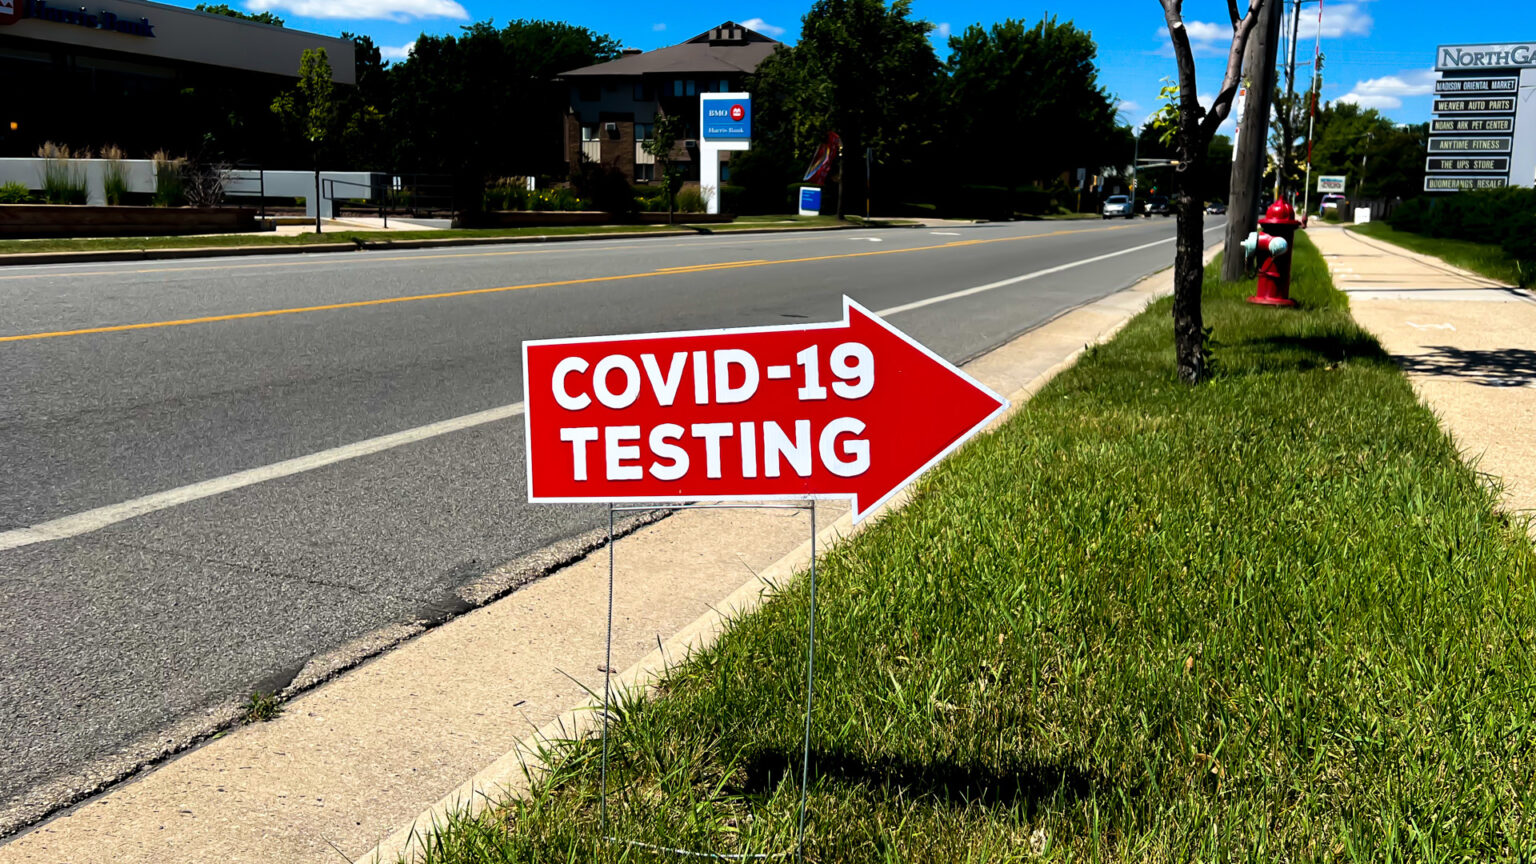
<point>613,105</point>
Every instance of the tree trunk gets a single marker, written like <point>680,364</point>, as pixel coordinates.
<point>1188,279</point>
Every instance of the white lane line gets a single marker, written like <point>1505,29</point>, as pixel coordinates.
<point>101,517</point>
<point>945,233</point>
<point>1003,283</point>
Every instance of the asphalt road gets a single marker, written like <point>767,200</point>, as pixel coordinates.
<point>129,625</point>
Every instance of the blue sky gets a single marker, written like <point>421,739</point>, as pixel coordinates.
<point>1379,54</point>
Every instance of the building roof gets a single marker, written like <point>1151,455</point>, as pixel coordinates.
<point>726,49</point>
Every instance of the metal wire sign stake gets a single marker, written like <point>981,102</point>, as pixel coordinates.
<point>852,409</point>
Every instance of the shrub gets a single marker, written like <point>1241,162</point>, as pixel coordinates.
<point>16,193</point>
<point>605,186</point>
<point>169,191</point>
<point>114,175</point>
<point>507,193</point>
<point>63,176</point>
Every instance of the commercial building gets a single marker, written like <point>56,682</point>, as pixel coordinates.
<point>614,105</point>
<point>140,75</point>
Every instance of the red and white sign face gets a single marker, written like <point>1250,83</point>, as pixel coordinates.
<point>11,11</point>
<point>852,409</point>
<point>738,112</point>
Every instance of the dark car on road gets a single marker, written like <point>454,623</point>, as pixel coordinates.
<point>1157,204</point>
<point>1216,208</point>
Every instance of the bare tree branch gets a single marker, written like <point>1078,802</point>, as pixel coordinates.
<point>1232,11</point>
<point>1222,104</point>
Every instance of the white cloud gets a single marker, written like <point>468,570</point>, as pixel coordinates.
<point>1389,90</point>
<point>657,28</point>
<point>942,29</point>
<point>1128,106</point>
<point>1339,20</point>
<point>392,10</point>
<point>763,27</point>
<point>1205,39</point>
<point>396,52</point>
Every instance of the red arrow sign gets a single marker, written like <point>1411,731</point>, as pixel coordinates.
<point>852,409</point>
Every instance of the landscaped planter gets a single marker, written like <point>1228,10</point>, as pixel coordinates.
<point>68,220</point>
<point>553,218</point>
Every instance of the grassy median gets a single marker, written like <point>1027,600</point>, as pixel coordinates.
<point>1271,618</point>
<point>1488,259</point>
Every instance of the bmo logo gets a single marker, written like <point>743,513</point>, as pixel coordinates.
<point>11,11</point>
<point>726,117</point>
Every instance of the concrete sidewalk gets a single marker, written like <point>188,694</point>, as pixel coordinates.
<point>364,757</point>
<point>1468,343</point>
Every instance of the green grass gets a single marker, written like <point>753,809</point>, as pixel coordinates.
<point>1270,618</point>
<point>1488,259</point>
<point>260,708</point>
<point>97,244</point>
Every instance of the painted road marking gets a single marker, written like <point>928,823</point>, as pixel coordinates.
<point>945,233</point>
<point>470,292</point>
<point>954,295</point>
<point>102,517</point>
<point>1418,326</point>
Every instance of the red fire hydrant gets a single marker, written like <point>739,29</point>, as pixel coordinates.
<point>1277,232</point>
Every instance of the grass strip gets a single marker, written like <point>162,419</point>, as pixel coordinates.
<point>348,237</point>
<point>1487,259</point>
<point>1270,618</point>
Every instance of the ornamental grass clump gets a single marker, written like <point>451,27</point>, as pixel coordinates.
<point>114,175</point>
<point>63,175</point>
<point>169,189</point>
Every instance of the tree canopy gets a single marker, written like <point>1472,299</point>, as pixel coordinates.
<point>485,101</point>
<point>1348,137</point>
<point>1035,88</point>
<point>863,69</point>
<point>226,9</point>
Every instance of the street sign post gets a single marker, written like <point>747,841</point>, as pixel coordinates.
<point>854,409</point>
<point>850,409</point>
<point>725,123</point>
<point>1331,182</point>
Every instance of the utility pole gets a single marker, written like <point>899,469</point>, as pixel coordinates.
<point>1252,138</point>
<point>1288,112</point>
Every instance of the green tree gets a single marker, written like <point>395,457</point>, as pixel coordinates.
<point>1035,88</point>
<point>1190,128</point>
<point>863,69</point>
<point>669,128</point>
<point>485,102</point>
<point>309,111</point>
<point>225,9</point>
<point>1380,158</point>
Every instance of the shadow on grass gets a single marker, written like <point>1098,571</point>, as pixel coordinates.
<point>941,782</point>
<point>1503,367</point>
<point>1290,352</point>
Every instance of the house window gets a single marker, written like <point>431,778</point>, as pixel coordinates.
<point>724,85</point>
<point>589,132</point>
<point>682,87</point>
<point>644,92</point>
<point>645,172</point>
<point>590,92</point>
<point>645,131</point>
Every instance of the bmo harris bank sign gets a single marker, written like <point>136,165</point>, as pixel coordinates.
<point>726,118</point>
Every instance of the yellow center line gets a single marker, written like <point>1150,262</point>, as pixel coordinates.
<point>720,265</point>
<point>471,292</point>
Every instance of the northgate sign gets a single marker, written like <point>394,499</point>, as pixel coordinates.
<point>1483,135</point>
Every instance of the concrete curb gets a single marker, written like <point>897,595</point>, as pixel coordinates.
<point>115,255</point>
<point>512,775</point>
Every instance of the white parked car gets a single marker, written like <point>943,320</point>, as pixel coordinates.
<point>1332,203</point>
<point>1117,205</point>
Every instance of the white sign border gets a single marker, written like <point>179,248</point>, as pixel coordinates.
<point>860,512</point>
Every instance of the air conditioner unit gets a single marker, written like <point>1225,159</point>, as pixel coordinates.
<point>691,144</point>
<point>612,129</point>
